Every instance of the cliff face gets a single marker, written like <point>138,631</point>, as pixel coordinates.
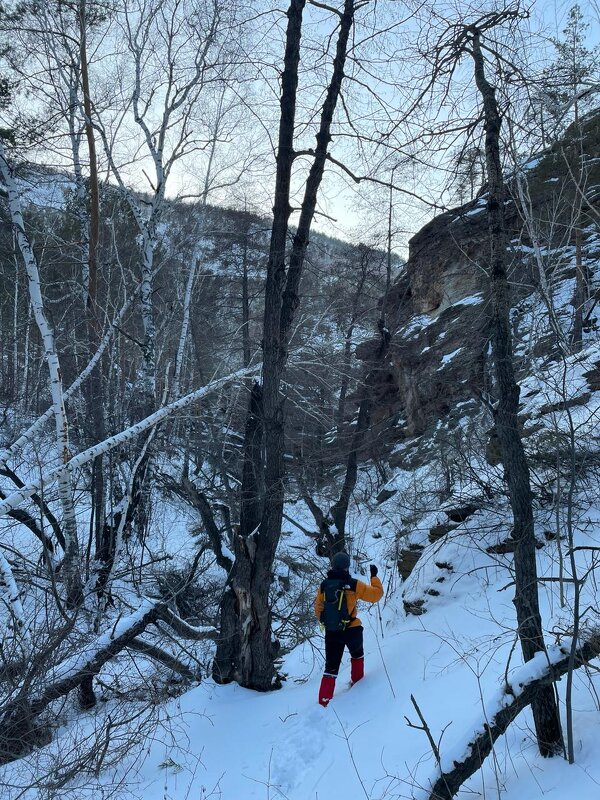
<point>440,329</point>
<point>440,326</point>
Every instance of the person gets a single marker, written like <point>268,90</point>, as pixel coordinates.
<point>335,608</point>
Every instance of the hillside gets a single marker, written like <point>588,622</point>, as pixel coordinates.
<point>430,508</point>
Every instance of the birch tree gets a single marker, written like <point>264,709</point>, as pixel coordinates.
<point>169,51</point>
<point>71,567</point>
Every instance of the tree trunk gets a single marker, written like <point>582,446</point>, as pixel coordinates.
<point>448,784</point>
<point>71,567</point>
<point>262,506</point>
<point>18,718</point>
<point>580,285</point>
<point>94,395</point>
<point>545,712</point>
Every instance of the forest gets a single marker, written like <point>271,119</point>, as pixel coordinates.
<point>295,297</point>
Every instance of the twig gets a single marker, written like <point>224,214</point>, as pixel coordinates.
<point>347,740</point>
<point>425,728</point>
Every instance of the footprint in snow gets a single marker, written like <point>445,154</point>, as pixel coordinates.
<point>300,743</point>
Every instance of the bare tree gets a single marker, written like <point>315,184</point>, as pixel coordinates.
<point>469,39</point>
<point>71,567</point>
<point>245,651</point>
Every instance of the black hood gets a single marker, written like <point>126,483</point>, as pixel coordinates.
<point>340,574</point>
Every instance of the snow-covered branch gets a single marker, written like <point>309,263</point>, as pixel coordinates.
<point>525,684</point>
<point>184,629</point>
<point>15,499</point>
<point>17,719</point>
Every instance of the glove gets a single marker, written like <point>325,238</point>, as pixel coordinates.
<point>373,569</point>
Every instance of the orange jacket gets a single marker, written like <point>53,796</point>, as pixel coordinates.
<point>362,591</point>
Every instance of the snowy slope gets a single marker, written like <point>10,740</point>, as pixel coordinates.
<point>233,744</point>
<point>284,745</point>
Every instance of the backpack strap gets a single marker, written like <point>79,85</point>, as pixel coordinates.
<point>346,585</point>
<point>352,586</point>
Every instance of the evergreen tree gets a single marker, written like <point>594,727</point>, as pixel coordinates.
<point>573,78</point>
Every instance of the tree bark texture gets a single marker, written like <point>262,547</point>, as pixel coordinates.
<point>545,712</point>
<point>94,396</point>
<point>71,567</point>
<point>448,784</point>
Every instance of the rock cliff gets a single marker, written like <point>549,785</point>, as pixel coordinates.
<point>440,321</point>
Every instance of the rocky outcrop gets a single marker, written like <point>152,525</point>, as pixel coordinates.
<point>440,320</point>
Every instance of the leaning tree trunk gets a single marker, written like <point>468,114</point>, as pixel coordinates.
<point>516,696</point>
<point>260,531</point>
<point>545,711</point>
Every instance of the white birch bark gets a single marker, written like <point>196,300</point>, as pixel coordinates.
<point>26,349</point>
<point>9,593</point>
<point>16,498</point>
<point>28,436</point>
<point>150,242</point>
<point>185,324</point>
<point>71,569</point>
<point>166,128</point>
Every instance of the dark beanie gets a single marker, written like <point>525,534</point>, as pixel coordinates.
<point>341,561</point>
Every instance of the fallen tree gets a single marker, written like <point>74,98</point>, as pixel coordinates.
<point>15,499</point>
<point>20,729</point>
<point>525,686</point>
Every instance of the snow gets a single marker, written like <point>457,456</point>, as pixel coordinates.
<point>472,300</point>
<point>230,743</point>
<point>446,359</point>
<point>46,191</point>
<point>531,163</point>
<point>416,325</point>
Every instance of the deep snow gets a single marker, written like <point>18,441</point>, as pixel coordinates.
<point>228,743</point>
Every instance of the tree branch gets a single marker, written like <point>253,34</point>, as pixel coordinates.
<point>536,675</point>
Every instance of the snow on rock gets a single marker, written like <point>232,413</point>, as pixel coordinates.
<point>446,359</point>
<point>472,300</point>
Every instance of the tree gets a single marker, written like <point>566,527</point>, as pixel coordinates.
<point>71,567</point>
<point>545,711</point>
<point>476,40</point>
<point>245,651</point>
<point>569,85</point>
<point>572,80</point>
<point>468,177</point>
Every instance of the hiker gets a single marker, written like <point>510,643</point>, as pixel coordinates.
<point>335,607</point>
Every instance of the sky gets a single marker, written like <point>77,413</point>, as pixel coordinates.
<point>345,201</point>
<point>346,210</point>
